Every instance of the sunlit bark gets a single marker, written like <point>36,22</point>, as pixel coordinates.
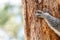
<point>37,29</point>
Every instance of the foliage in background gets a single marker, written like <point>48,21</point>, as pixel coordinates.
<point>4,15</point>
<point>7,20</point>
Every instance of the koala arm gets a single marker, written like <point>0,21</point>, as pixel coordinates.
<point>53,23</point>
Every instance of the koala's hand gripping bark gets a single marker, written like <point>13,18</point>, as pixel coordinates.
<point>53,23</point>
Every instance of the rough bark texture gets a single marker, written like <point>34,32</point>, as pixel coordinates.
<point>37,29</point>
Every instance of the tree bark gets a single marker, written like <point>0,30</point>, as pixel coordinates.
<point>37,29</point>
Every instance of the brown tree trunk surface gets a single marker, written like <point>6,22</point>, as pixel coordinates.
<point>37,29</point>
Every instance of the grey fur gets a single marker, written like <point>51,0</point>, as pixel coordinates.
<point>53,23</point>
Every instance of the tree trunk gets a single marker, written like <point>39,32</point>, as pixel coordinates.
<point>37,29</point>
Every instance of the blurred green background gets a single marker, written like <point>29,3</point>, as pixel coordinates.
<point>11,20</point>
